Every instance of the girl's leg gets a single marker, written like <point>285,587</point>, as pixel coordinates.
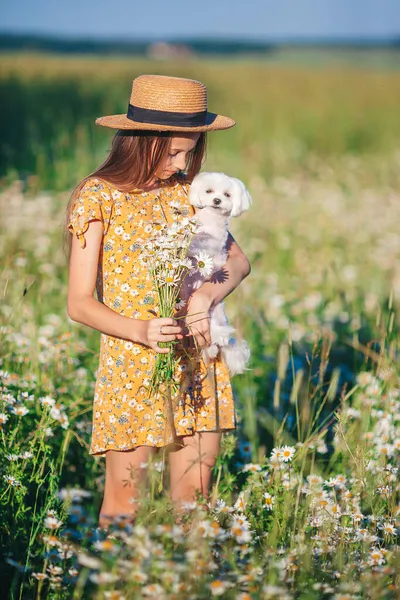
<point>190,465</point>
<point>124,477</point>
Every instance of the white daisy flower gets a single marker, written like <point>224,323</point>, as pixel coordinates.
<point>269,501</point>
<point>204,263</point>
<point>179,304</point>
<point>21,411</point>
<point>52,523</point>
<point>251,467</point>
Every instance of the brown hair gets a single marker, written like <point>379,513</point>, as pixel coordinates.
<point>133,160</point>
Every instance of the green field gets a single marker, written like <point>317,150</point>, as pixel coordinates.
<point>318,146</point>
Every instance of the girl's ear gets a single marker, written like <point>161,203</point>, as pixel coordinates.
<point>241,198</point>
<point>195,190</point>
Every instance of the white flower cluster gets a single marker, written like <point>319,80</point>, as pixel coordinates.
<point>165,253</point>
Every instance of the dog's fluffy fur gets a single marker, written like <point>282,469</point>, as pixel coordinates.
<point>217,197</point>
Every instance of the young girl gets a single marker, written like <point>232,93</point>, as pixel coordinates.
<point>110,217</point>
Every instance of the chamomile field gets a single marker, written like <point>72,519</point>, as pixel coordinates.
<point>305,500</point>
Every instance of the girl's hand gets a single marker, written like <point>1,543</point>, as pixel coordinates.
<point>153,331</point>
<point>199,324</point>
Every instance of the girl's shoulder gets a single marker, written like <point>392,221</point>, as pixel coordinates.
<point>95,185</point>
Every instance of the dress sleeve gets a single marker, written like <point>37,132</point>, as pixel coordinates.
<point>93,203</point>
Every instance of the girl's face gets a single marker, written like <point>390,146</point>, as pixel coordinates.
<point>180,146</point>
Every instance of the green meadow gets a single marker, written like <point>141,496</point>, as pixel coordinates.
<point>305,501</point>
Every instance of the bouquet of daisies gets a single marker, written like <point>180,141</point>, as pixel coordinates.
<point>167,255</point>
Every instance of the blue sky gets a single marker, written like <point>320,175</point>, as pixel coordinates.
<point>162,19</point>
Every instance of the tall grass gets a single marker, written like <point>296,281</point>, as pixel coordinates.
<point>306,499</point>
<point>285,115</point>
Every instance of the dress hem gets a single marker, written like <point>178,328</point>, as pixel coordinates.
<point>105,450</point>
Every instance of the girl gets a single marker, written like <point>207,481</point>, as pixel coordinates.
<point>109,217</point>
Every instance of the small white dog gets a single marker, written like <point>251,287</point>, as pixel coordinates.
<point>216,198</point>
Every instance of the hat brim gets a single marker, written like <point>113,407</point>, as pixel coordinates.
<point>213,122</point>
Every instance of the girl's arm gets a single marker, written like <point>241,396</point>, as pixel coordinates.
<point>236,268</point>
<point>84,308</point>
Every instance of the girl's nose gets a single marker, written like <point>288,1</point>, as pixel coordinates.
<point>180,163</point>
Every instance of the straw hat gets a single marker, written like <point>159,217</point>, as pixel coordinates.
<point>167,103</point>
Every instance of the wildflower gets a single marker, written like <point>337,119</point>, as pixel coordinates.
<point>283,454</point>
<point>204,263</point>
<point>153,589</point>
<point>73,494</point>
<point>269,501</point>
<point>12,457</point>
<point>330,482</point>
<point>384,491</point>
<point>48,432</point>
<point>314,480</point>
<point>21,411</point>
<point>179,304</point>
<point>273,590</point>
<point>340,480</point>
<point>52,522</point>
<point>241,502</point>
<point>251,467</point>
<point>287,453</point>
<point>241,520</point>
<point>241,534</point>
<point>106,546</point>
<point>364,378</point>
<point>216,531</point>
<point>104,577</point>
<point>203,528</point>
<point>89,561</point>
<point>40,576</point>
<point>218,587</point>
<point>10,480</point>
<point>389,529</point>
<point>47,401</point>
<point>376,557</point>
<point>54,570</point>
<point>73,572</point>
<point>221,506</point>
<point>138,576</point>
<point>3,418</point>
<point>334,510</point>
<point>114,595</point>
<point>185,263</point>
<point>322,448</point>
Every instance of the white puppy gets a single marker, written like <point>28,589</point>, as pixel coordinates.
<point>216,197</point>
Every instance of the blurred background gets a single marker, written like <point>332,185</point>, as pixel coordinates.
<point>314,86</point>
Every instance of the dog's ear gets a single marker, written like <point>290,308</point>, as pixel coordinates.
<point>196,188</point>
<point>241,199</point>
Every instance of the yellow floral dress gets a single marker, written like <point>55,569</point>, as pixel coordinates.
<point>124,415</point>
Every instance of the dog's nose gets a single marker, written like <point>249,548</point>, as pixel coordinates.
<point>216,201</point>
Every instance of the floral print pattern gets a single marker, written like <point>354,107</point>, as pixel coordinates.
<point>125,415</point>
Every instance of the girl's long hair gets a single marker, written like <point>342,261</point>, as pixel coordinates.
<point>134,158</point>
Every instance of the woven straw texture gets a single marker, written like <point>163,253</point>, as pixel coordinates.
<point>171,94</point>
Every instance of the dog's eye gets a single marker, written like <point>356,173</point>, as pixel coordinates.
<point>227,194</point>
<point>209,191</point>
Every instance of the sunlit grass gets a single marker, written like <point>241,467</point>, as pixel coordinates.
<point>305,497</point>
